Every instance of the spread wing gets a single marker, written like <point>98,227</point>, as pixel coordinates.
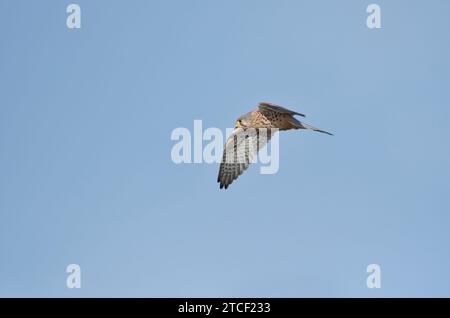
<point>239,152</point>
<point>275,108</point>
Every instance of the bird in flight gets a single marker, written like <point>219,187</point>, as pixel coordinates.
<point>252,132</point>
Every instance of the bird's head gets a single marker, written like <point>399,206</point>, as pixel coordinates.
<point>243,121</point>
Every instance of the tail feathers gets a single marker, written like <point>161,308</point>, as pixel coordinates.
<point>299,125</point>
<point>305,126</point>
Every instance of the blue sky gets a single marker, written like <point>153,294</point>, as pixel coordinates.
<point>86,175</point>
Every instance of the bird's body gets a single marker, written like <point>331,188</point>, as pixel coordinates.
<point>252,132</point>
<point>269,120</point>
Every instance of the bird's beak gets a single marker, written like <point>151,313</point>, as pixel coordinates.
<point>237,124</point>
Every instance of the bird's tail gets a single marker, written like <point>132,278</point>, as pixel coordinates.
<point>296,124</point>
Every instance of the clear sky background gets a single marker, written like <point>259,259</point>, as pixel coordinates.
<point>86,175</point>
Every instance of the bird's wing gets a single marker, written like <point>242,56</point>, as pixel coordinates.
<point>239,152</point>
<point>275,108</point>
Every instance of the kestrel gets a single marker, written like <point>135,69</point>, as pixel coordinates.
<point>252,132</point>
